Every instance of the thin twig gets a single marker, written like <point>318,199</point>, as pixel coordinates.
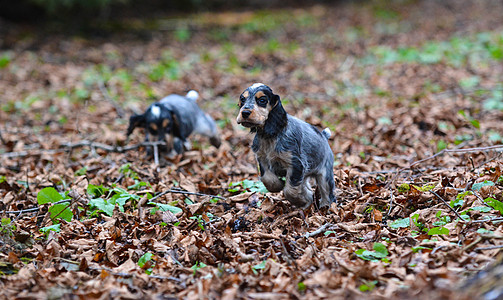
<point>447,204</point>
<point>34,209</point>
<point>107,96</point>
<point>176,191</point>
<point>318,231</point>
<point>489,248</point>
<point>84,143</point>
<point>488,220</point>
<point>454,151</point>
<point>480,198</point>
<point>156,157</point>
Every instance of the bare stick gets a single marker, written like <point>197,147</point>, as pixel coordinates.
<point>156,157</point>
<point>454,151</point>
<point>447,204</point>
<point>1,139</point>
<point>34,209</point>
<point>84,143</point>
<point>488,220</point>
<point>318,231</point>
<point>489,248</point>
<point>107,96</point>
<point>176,191</point>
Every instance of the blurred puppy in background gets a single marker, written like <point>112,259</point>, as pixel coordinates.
<point>287,147</point>
<point>176,117</point>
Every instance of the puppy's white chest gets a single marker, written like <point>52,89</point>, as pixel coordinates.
<point>268,153</point>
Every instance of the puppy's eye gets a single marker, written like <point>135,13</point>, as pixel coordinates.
<point>241,100</point>
<point>262,101</point>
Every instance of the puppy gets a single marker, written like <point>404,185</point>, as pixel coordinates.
<point>177,117</point>
<point>157,120</point>
<point>287,147</point>
<point>189,118</point>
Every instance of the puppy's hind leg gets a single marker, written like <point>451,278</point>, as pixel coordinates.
<point>297,189</point>
<point>326,185</point>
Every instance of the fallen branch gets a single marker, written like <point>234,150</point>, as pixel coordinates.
<point>466,150</point>
<point>34,209</point>
<point>85,143</point>
<point>318,231</point>
<point>488,220</point>
<point>447,204</point>
<point>489,248</point>
<point>176,191</point>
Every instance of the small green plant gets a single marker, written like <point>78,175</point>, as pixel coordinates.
<point>200,221</point>
<point>367,286</point>
<point>479,185</point>
<point>45,230</point>
<point>400,223</point>
<point>380,252</point>
<point>403,188</point>
<point>460,199</point>
<point>164,207</point>
<point>143,261</point>
<point>248,185</point>
<point>105,199</point>
<point>127,171</point>
<point>197,266</point>
<point>425,188</point>
<point>439,225</point>
<point>7,227</point>
<point>301,286</point>
<point>60,210</point>
<point>497,205</point>
<point>259,266</point>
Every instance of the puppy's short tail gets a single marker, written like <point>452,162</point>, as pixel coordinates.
<point>192,95</point>
<point>327,133</point>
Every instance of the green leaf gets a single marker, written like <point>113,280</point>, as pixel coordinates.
<point>368,286</point>
<point>418,248</point>
<point>167,207</point>
<point>379,253</point>
<point>48,195</point>
<point>81,171</point>
<point>198,266</point>
<point>144,259</point>
<point>494,204</point>
<point>404,187</point>
<point>45,230</point>
<point>96,190</point>
<point>103,205</point>
<point>301,286</point>
<point>381,249</point>
<point>481,208</point>
<point>438,230</point>
<point>441,145</point>
<point>259,266</point>
<point>479,185</point>
<point>405,222</point>
<point>62,211</point>
<point>425,188</point>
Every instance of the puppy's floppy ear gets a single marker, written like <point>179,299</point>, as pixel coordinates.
<point>274,100</point>
<point>135,121</point>
<point>277,118</point>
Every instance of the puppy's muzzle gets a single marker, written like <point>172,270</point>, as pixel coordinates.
<point>245,114</point>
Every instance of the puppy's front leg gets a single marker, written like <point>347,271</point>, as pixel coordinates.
<point>271,181</point>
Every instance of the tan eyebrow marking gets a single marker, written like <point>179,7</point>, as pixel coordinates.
<point>165,123</point>
<point>245,94</point>
<point>259,94</point>
<point>153,126</point>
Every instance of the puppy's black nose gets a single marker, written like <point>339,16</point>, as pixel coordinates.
<point>246,114</point>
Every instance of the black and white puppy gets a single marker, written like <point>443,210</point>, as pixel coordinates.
<point>178,117</point>
<point>287,147</point>
<point>189,118</point>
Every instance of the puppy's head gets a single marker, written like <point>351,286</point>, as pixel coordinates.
<point>158,120</point>
<point>255,104</point>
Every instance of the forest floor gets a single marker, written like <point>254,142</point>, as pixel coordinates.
<point>395,83</point>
